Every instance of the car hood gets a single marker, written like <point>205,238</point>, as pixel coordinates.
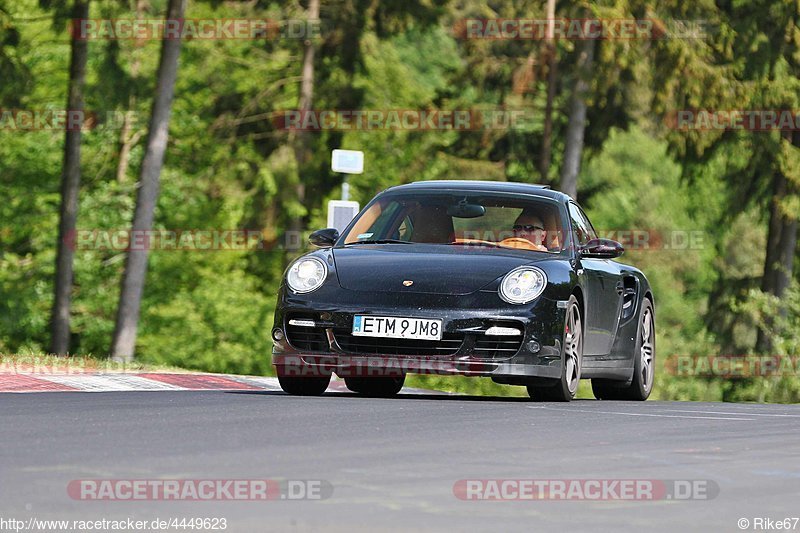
<point>436,269</point>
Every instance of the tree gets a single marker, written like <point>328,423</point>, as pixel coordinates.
<point>127,137</point>
<point>573,150</point>
<point>300,139</point>
<point>70,185</point>
<point>551,60</point>
<point>751,62</point>
<point>124,341</point>
<point>14,73</point>
<point>782,232</point>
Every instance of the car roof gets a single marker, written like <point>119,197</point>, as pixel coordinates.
<point>482,186</point>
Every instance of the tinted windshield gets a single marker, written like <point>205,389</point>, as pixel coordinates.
<point>468,219</point>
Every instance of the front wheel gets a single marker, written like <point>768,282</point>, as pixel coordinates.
<point>376,386</point>
<point>304,386</point>
<point>565,388</point>
<point>643,364</point>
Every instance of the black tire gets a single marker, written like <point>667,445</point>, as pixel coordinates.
<point>644,360</point>
<point>565,388</point>
<point>545,393</point>
<point>304,386</point>
<point>380,387</point>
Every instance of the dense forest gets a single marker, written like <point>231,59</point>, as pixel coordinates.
<point>197,128</point>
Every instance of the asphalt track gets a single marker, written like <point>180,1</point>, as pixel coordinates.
<point>393,463</point>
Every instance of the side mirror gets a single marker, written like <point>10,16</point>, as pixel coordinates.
<point>324,237</point>
<point>601,249</point>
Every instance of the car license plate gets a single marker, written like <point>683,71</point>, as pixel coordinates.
<point>397,327</point>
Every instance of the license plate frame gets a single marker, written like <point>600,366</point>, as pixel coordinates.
<point>412,328</point>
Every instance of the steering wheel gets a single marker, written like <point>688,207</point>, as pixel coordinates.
<point>519,242</point>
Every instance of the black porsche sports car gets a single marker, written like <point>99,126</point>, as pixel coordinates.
<point>498,279</point>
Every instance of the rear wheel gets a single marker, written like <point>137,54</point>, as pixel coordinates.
<point>565,388</point>
<point>643,364</point>
<point>304,386</point>
<point>376,386</point>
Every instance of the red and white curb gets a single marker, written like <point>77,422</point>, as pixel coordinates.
<point>150,381</point>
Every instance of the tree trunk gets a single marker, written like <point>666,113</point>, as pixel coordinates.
<point>577,121</point>
<point>300,138</point>
<point>128,139</point>
<point>781,245</point>
<point>124,341</point>
<point>70,185</point>
<point>552,70</point>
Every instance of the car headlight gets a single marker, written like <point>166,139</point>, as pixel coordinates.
<point>306,275</point>
<point>523,285</point>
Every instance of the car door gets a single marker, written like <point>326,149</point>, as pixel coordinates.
<point>604,300</point>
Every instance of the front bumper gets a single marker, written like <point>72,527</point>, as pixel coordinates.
<point>465,349</point>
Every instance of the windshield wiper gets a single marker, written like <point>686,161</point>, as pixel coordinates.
<point>475,243</point>
<point>380,241</point>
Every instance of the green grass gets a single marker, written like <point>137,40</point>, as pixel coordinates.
<point>472,386</point>
<point>779,389</point>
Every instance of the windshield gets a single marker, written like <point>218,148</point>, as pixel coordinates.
<point>468,219</point>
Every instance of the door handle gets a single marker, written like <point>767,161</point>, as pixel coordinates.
<point>620,288</point>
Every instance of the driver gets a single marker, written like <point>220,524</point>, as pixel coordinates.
<point>530,227</point>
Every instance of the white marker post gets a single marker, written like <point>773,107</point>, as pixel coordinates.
<point>341,212</point>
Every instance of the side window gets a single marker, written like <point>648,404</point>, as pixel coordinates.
<point>581,227</point>
<point>406,229</point>
<point>384,225</point>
